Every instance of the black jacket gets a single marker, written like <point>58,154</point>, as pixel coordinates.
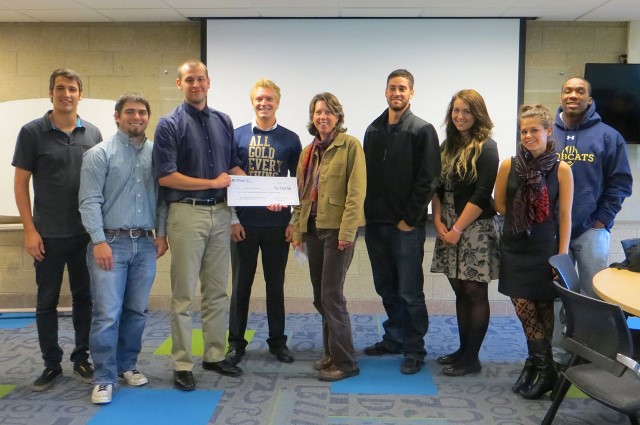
<point>403,170</point>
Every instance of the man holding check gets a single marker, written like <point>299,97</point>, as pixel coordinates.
<point>265,149</point>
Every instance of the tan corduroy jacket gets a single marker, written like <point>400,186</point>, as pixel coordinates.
<point>341,190</point>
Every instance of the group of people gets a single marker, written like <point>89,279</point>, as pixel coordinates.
<point>107,211</point>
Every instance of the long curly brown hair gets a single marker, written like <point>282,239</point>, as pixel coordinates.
<point>460,153</point>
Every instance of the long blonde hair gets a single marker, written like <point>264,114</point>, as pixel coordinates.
<point>460,154</point>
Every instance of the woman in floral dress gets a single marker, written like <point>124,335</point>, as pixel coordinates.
<point>467,229</point>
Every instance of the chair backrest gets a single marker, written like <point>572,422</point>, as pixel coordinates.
<point>596,331</point>
<point>565,268</point>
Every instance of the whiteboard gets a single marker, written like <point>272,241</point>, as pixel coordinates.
<point>16,113</point>
<point>352,57</point>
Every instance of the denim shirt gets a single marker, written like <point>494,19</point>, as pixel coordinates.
<point>118,190</point>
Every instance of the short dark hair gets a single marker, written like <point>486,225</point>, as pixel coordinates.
<point>191,63</point>
<point>402,73</point>
<point>134,98</point>
<point>66,73</point>
<point>578,78</point>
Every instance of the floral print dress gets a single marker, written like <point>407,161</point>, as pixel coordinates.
<point>476,257</point>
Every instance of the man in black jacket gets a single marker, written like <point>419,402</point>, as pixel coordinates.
<point>403,159</point>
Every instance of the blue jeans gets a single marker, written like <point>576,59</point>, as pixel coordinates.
<point>590,252</point>
<point>396,263</point>
<point>58,253</point>
<point>120,305</point>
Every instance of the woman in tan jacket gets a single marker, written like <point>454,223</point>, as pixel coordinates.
<point>332,184</point>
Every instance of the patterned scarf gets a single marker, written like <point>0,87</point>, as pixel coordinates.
<point>311,167</point>
<point>531,201</point>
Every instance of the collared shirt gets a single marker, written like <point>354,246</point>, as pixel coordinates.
<point>54,157</point>
<point>194,143</point>
<point>255,127</point>
<point>118,190</point>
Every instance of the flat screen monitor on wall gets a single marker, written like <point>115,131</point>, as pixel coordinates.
<point>616,91</point>
<point>352,57</point>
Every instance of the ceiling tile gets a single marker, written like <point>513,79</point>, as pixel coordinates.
<point>219,13</point>
<point>142,15</point>
<point>13,16</point>
<point>208,4</point>
<point>299,12</point>
<point>381,12</point>
<point>615,10</point>
<point>124,4</point>
<point>449,12</point>
<point>39,4</point>
<point>380,4</point>
<point>84,15</point>
<point>296,4</point>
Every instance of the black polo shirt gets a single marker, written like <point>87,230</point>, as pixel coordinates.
<point>54,158</point>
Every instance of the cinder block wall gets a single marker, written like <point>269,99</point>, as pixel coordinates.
<point>142,57</point>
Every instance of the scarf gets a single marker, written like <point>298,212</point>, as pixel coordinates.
<point>531,201</point>
<point>311,167</point>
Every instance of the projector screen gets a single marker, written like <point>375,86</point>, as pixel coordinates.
<point>351,58</point>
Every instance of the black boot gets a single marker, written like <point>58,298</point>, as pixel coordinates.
<point>526,376</point>
<point>540,351</point>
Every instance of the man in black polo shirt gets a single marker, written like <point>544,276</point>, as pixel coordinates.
<point>50,150</point>
<point>193,155</point>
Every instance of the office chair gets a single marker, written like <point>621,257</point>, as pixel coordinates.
<point>566,270</point>
<point>601,365</point>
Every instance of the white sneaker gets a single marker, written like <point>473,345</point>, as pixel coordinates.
<point>101,394</point>
<point>134,378</point>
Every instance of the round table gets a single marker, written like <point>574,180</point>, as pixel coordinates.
<point>620,287</point>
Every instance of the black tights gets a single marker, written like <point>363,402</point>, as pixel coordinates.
<point>536,317</point>
<point>472,311</point>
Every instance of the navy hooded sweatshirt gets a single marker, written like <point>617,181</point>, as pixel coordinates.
<point>598,158</point>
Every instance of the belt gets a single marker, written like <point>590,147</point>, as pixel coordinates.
<point>210,201</point>
<point>132,233</point>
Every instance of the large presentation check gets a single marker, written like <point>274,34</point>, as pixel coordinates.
<point>255,191</point>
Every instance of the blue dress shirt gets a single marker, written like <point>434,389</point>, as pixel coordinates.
<point>118,189</point>
<point>194,143</point>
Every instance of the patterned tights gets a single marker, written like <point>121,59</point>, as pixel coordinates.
<point>536,317</point>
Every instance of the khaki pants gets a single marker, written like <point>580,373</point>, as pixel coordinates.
<point>199,239</point>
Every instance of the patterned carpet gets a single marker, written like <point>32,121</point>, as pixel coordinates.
<point>273,393</point>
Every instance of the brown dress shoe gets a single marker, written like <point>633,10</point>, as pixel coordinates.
<point>333,374</point>
<point>323,363</point>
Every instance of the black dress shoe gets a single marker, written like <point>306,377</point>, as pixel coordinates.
<point>379,349</point>
<point>223,367</point>
<point>282,354</point>
<point>234,355</point>
<point>183,380</point>
<point>410,366</point>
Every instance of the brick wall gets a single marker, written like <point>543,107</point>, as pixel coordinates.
<point>115,58</point>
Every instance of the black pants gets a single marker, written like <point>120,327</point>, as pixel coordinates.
<point>72,253</point>
<point>244,260</point>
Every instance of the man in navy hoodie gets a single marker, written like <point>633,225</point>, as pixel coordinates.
<point>597,155</point>
<point>265,148</point>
